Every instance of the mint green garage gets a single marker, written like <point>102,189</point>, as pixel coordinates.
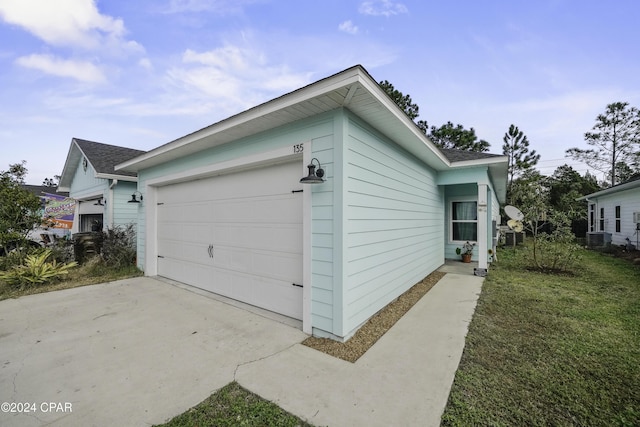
<point>224,210</point>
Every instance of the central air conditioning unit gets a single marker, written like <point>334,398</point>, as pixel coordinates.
<point>636,217</point>
<point>598,239</point>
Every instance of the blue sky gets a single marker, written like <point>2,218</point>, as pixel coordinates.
<point>142,73</point>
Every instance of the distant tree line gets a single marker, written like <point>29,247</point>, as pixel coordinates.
<point>615,151</point>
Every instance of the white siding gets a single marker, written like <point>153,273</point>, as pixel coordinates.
<point>393,224</point>
<point>629,202</point>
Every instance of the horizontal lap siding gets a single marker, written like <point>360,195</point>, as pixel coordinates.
<point>124,213</point>
<point>322,227</point>
<point>629,202</point>
<point>85,184</point>
<point>394,216</point>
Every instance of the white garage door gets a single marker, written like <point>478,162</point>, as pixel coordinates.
<point>237,235</point>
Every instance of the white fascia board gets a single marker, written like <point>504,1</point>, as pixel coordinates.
<point>70,165</point>
<point>116,177</point>
<point>480,162</point>
<point>620,187</point>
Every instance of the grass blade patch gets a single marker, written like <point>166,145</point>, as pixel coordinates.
<point>547,349</point>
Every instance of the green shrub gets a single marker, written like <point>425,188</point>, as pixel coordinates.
<point>11,259</point>
<point>62,251</point>
<point>551,256</point>
<point>119,246</point>
<point>36,270</point>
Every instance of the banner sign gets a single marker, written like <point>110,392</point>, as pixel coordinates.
<point>59,209</point>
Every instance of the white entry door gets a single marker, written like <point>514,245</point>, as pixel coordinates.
<point>238,235</point>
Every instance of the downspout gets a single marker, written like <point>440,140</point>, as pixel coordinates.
<point>111,201</point>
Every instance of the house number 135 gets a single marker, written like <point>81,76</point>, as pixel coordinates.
<point>298,148</point>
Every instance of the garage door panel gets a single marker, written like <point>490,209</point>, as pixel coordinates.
<point>276,265</point>
<point>286,295</point>
<point>284,267</point>
<point>253,223</point>
<point>191,252</point>
<point>283,210</point>
<point>196,233</point>
<point>280,237</point>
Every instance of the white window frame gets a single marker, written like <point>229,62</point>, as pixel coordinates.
<point>451,221</point>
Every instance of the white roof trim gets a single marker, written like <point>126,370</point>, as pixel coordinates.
<point>117,177</point>
<point>620,187</point>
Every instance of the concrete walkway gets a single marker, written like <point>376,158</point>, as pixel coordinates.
<point>403,380</point>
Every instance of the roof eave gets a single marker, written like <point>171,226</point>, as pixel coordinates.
<point>70,165</point>
<point>621,187</point>
<point>116,176</point>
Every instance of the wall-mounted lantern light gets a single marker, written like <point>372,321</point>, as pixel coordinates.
<point>314,177</point>
<point>134,199</point>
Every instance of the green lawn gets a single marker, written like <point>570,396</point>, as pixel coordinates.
<point>561,350</point>
<point>83,275</point>
<point>233,406</point>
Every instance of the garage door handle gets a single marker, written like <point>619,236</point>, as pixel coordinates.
<point>295,284</point>
<point>210,250</point>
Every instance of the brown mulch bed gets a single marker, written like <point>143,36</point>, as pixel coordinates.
<point>376,326</point>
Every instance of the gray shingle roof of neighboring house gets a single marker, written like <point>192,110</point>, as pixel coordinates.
<point>631,183</point>
<point>38,190</point>
<point>460,155</point>
<point>103,157</point>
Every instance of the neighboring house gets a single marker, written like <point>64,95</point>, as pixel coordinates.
<point>224,209</point>
<point>102,194</point>
<point>614,214</point>
<point>55,207</point>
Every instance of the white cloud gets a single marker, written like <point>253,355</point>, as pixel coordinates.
<point>145,63</point>
<point>348,27</point>
<point>68,23</point>
<point>234,77</point>
<point>79,70</point>
<point>382,8</point>
<point>218,6</point>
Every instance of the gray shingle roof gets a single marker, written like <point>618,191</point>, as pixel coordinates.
<point>460,155</point>
<point>39,189</point>
<point>103,157</point>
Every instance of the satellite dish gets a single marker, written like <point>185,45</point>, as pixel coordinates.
<point>515,225</point>
<point>513,213</point>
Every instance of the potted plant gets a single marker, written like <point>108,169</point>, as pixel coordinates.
<point>466,251</point>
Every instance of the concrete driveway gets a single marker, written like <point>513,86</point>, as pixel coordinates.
<point>132,352</point>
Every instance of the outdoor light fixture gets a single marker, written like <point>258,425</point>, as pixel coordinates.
<point>134,199</point>
<point>313,177</point>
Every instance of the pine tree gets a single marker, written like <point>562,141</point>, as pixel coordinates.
<point>616,142</point>
<point>516,147</point>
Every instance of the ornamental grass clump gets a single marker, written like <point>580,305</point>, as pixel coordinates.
<point>36,270</point>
